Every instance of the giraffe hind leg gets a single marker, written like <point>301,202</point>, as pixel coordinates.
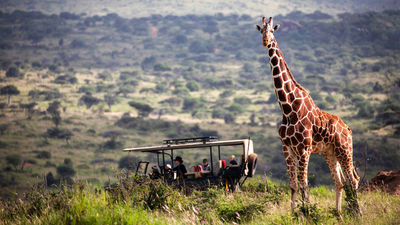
<point>337,175</point>
<point>345,158</point>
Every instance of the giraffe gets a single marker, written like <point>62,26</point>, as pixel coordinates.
<point>306,129</point>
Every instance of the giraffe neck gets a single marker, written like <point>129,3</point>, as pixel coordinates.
<point>289,93</point>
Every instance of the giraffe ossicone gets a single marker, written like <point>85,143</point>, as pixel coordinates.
<point>305,128</point>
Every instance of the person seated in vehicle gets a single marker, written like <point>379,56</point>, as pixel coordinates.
<point>180,168</point>
<point>167,171</point>
<point>232,161</point>
<point>206,166</point>
<point>155,173</point>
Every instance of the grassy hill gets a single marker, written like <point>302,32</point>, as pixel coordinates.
<point>200,75</point>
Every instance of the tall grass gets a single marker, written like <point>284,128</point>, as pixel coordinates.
<point>140,201</point>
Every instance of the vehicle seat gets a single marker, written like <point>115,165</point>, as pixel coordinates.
<point>220,166</point>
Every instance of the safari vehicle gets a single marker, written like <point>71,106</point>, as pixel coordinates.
<point>230,177</point>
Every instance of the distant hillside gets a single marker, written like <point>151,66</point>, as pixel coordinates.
<point>83,87</point>
<point>142,8</point>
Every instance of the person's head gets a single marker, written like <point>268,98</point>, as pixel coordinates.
<point>155,169</point>
<point>232,157</point>
<point>178,160</point>
<point>205,162</point>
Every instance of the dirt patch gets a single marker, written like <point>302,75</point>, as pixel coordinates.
<point>387,181</point>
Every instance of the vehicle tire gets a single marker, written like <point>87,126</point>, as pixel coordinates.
<point>251,164</point>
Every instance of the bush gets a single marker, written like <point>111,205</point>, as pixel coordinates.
<point>143,109</point>
<point>239,210</point>
<point>89,100</point>
<point>192,103</point>
<point>14,160</point>
<point>242,100</point>
<point>128,162</point>
<point>66,79</point>
<point>161,67</point>
<point>14,72</point>
<point>235,108</point>
<point>65,171</point>
<point>193,86</point>
<point>43,155</point>
<point>59,133</point>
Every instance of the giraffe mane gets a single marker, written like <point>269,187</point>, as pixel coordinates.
<point>294,80</point>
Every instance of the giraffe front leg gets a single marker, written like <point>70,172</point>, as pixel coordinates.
<point>291,163</point>
<point>303,168</point>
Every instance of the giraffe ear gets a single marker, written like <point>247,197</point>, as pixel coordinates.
<point>276,27</point>
<point>258,27</point>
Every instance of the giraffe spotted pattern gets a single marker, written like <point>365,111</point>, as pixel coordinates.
<point>306,129</point>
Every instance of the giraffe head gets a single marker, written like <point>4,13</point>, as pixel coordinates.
<point>267,30</point>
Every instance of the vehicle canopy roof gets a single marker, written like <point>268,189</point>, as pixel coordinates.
<point>172,145</point>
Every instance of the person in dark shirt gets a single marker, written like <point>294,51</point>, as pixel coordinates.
<point>206,166</point>
<point>232,161</point>
<point>155,174</point>
<point>179,168</point>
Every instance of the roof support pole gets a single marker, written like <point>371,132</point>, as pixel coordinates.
<point>219,152</point>
<point>211,159</point>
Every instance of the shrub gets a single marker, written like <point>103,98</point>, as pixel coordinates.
<point>65,171</point>
<point>143,108</point>
<point>193,86</point>
<point>236,108</point>
<point>242,100</point>
<point>192,103</point>
<point>89,100</point>
<point>59,133</point>
<point>66,79</point>
<point>128,162</point>
<point>14,72</point>
<point>105,75</point>
<point>161,67</point>
<point>226,93</point>
<point>14,160</point>
<point>239,210</point>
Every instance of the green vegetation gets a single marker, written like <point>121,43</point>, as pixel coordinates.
<point>93,85</point>
<point>137,201</point>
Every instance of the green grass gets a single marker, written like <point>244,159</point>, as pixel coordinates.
<point>146,202</point>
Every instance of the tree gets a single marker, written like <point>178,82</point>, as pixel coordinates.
<point>148,63</point>
<point>211,27</point>
<point>65,171</point>
<point>109,99</point>
<point>66,135</point>
<point>180,39</point>
<point>3,128</point>
<point>128,162</point>
<point>229,118</point>
<point>68,162</point>
<point>59,133</point>
<point>9,90</point>
<point>143,109</point>
<point>29,109</point>
<point>14,72</point>
<point>161,67</point>
<point>193,85</point>
<point>113,143</point>
<point>54,111</point>
<point>89,100</point>
<point>14,160</point>
<point>191,103</point>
